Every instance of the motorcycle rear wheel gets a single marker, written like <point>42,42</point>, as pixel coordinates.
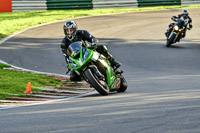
<point>102,89</point>
<point>123,85</point>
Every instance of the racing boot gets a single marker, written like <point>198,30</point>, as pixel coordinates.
<point>118,71</point>
<point>74,76</point>
<point>115,64</point>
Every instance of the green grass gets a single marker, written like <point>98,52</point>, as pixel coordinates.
<point>12,82</point>
<point>13,22</point>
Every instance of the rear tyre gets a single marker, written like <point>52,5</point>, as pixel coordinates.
<point>94,81</point>
<point>123,85</point>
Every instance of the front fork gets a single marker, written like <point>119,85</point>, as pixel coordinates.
<point>174,32</point>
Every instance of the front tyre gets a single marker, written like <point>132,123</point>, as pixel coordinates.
<point>102,89</point>
<point>170,40</point>
<point>123,85</point>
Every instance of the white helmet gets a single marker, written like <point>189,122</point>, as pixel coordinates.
<point>70,28</point>
<point>185,13</point>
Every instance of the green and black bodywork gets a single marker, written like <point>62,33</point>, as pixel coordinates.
<point>95,69</point>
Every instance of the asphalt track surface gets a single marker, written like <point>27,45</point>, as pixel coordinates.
<point>163,93</point>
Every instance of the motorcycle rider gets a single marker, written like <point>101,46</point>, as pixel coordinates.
<point>72,34</point>
<point>187,19</point>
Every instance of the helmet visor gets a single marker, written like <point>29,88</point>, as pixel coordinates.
<point>69,31</point>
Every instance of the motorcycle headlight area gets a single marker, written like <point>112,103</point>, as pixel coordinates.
<point>72,64</point>
<point>176,27</point>
<point>85,54</point>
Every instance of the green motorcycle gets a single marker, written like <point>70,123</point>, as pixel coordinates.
<point>95,69</point>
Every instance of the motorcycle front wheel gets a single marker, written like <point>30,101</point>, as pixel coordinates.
<point>170,40</point>
<point>94,81</point>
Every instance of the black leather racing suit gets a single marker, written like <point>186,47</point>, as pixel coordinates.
<point>188,20</point>
<point>81,35</point>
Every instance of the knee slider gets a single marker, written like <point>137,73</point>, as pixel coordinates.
<point>74,76</point>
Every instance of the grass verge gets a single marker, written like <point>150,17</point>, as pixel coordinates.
<point>13,22</point>
<point>13,82</point>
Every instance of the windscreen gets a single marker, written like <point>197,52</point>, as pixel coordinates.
<point>74,48</point>
<point>181,22</point>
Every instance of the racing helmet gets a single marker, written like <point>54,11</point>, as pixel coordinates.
<point>185,13</point>
<point>70,29</point>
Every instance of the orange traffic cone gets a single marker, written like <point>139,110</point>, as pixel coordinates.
<point>28,88</point>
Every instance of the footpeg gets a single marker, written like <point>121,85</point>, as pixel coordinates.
<point>117,71</point>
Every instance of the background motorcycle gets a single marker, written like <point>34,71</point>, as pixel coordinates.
<point>177,31</point>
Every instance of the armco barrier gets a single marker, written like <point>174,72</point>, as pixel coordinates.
<point>97,4</point>
<point>28,5</point>
<point>190,2</point>
<point>151,3</point>
<point>69,4</point>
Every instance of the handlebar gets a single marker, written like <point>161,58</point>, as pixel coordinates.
<point>92,47</point>
<point>174,18</point>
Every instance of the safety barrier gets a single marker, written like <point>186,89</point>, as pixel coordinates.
<point>33,5</point>
<point>190,2</point>
<point>69,4</point>
<point>151,3</point>
<point>97,4</point>
<point>28,5</point>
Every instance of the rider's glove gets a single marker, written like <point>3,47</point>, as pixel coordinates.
<point>94,44</point>
<point>94,41</point>
<point>172,17</point>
